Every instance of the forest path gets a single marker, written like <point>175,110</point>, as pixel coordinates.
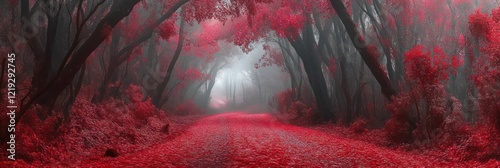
<point>239,139</point>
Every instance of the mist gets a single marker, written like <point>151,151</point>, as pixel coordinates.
<point>250,83</point>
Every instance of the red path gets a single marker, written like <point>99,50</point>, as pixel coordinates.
<point>249,140</point>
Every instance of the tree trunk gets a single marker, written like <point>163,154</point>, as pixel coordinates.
<point>360,44</point>
<point>368,57</point>
<point>53,89</point>
<point>306,49</point>
<point>161,87</point>
<point>346,91</point>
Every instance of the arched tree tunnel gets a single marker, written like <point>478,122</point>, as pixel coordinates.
<point>250,83</point>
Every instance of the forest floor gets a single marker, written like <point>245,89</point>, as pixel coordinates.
<point>238,139</point>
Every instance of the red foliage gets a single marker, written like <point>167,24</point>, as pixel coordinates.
<point>461,40</point>
<point>295,110</point>
<point>192,74</point>
<point>456,62</point>
<point>404,10</point>
<point>420,67</point>
<point>201,10</point>
<point>271,57</point>
<point>188,107</point>
<point>287,22</point>
<point>480,25</point>
<point>495,15</point>
<point>143,109</point>
<point>90,130</point>
<point>167,29</point>
<point>426,98</point>
<point>359,126</point>
<point>284,99</point>
<point>284,18</point>
<point>487,78</point>
<point>215,9</point>
<point>397,131</point>
<point>483,145</point>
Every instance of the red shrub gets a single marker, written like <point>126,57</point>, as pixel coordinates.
<point>188,107</point>
<point>487,77</point>
<point>480,25</point>
<point>483,145</point>
<point>302,111</point>
<point>455,128</point>
<point>397,131</point>
<point>495,15</point>
<point>420,67</point>
<point>425,101</point>
<point>298,111</point>
<point>134,93</point>
<point>284,100</point>
<point>90,131</point>
<point>488,86</point>
<point>359,126</point>
<point>143,109</point>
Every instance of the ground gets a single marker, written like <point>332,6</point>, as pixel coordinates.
<point>239,139</point>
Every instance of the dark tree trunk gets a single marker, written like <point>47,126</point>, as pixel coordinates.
<point>49,94</point>
<point>25,9</point>
<point>306,49</point>
<point>360,44</point>
<point>74,93</point>
<point>367,56</point>
<point>161,87</point>
<point>112,65</point>
<point>346,91</point>
<point>122,55</point>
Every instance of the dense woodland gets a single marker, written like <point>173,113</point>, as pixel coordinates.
<point>425,74</point>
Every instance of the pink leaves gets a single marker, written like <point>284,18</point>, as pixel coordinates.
<point>272,56</point>
<point>495,15</point>
<point>424,68</point>
<point>456,62</point>
<point>287,22</point>
<point>204,42</point>
<point>397,130</point>
<point>404,11</point>
<point>167,29</point>
<point>487,77</point>
<point>480,25</point>
<point>131,27</point>
<point>461,40</point>
<point>135,93</point>
<point>285,18</point>
<point>192,74</point>
<point>418,65</point>
<point>425,74</point>
<point>200,10</point>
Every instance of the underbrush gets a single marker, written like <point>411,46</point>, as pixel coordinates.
<point>92,129</point>
<point>89,132</point>
<point>458,142</point>
<point>294,111</point>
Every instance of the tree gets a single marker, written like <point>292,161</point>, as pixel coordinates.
<point>75,57</point>
<point>369,56</point>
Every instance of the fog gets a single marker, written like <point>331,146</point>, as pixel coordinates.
<point>250,83</point>
<point>241,74</point>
